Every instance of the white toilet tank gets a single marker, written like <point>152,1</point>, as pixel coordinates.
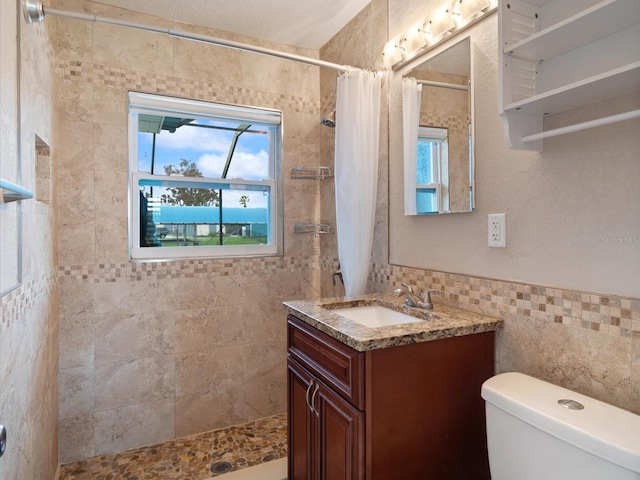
<point>531,436</point>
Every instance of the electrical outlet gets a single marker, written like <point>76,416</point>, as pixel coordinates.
<point>497,230</point>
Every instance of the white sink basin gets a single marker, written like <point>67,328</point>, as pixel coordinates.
<point>373,316</point>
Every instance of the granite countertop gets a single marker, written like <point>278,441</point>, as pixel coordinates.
<point>441,322</point>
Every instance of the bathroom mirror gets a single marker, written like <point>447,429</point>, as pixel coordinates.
<point>437,132</point>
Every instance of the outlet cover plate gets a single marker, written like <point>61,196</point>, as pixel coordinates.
<point>497,230</point>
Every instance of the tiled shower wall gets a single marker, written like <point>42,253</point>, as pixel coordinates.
<point>29,313</point>
<point>155,351</point>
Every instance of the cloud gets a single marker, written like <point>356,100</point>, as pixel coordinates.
<point>244,165</point>
<point>200,139</point>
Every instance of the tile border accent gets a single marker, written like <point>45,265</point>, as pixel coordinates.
<point>97,74</point>
<point>606,314</point>
<point>168,270</point>
<point>15,303</point>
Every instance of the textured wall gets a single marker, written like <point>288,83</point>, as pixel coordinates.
<point>566,209</point>
<point>29,314</point>
<point>572,210</point>
<point>150,352</point>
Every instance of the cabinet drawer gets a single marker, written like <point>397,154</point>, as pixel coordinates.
<point>339,366</point>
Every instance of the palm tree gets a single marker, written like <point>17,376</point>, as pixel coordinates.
<point>243,200</point>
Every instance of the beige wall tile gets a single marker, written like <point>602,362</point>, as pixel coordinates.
<point>76,242</point>
<point>199,61</point>
<point>110,149</point>
<point>200,372</point>
<point>121,298</point>
<point>123,428</point>
<point>201,412</point>
<point>74,148</point>
<point>265,362</point>
<point>204,329</point>
<point>70,40</point>
<point>262,73</point>
<point>111,104</point>
<point>13,405</point>
<point>120,47</point>
<point>111,243</point>
<point>75,101</point>
<point>265,397</point>
<point>123,338</point>
<point>76,196</point>
<point>207,292</point>
<point>77,391</point>
<point>578,359</point>
<point>76,341</point>
<point>121,384</point>
<point>76,438</point>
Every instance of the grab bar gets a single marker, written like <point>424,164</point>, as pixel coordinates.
<point>10,192</point>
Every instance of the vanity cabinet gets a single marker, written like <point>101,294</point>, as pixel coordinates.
<point>557,55</point>
<point>411,411</point>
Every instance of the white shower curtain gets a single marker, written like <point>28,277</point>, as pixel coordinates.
<point>356,174</point>
<point>411,98</point>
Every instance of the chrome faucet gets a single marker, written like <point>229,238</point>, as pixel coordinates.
<point>413,299</point>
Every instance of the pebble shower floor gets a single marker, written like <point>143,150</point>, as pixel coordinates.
<point>196,457</point>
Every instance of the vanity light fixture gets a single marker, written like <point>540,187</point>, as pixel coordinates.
<point>465,10</point>
<point>392,53</point>
<point>440,22</point>
<point>415,38</point>
<point>447,20</point>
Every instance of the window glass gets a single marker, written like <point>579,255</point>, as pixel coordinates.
<point>430,191</point>
<point>204,179</point>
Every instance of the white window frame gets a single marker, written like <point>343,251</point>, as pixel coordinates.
<point>438,137</point>
<point>141,103</point>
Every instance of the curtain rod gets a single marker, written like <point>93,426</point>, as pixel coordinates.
<point>453,86</point>
<point>34,11</point>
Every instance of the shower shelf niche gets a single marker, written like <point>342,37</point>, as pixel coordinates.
<point>314,228</point>
<point>315,173</point>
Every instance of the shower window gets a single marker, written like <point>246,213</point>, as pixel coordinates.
<point>431,170</point>
<point>204,179</point>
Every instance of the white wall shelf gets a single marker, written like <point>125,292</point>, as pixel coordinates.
<point>557,56</point>
<point>612,83</point>
<point>590,25</point>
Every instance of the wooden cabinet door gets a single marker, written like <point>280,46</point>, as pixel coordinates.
<point>301,423</point>
<point>340,437</point>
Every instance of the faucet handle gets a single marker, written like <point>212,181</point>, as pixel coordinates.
<point>408,287</point>
<point>427,296</point>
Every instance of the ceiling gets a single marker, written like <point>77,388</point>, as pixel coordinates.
<point>307,23</point>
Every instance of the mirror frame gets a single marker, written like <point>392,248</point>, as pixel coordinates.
<point>396,83</point>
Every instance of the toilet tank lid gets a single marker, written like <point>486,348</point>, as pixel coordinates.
<point>600,429</point>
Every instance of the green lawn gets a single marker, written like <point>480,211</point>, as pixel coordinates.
<point>208,240</point>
